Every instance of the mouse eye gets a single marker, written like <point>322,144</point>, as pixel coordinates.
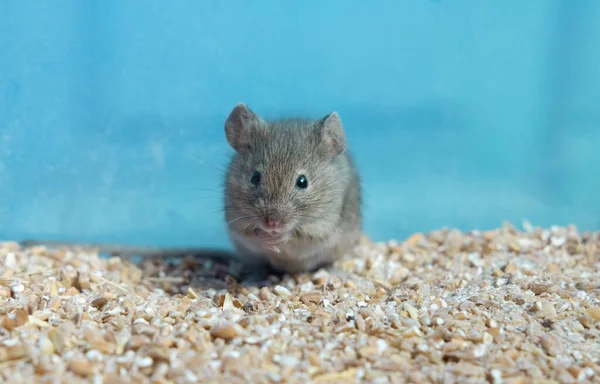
<point>255,179</point>
<point>301,182</point>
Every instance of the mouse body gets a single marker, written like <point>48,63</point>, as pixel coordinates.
<point>292,194</point>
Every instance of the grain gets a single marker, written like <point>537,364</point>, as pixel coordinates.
<point>501,306</point>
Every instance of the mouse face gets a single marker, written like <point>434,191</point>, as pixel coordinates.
<point>287,177</point>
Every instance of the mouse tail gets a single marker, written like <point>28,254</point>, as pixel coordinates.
<point>126,251</point>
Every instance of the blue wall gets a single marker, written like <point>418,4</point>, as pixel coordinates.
<point>460,114</point>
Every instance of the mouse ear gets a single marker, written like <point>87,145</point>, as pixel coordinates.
<point>332,134</point>
<point>240,126</point>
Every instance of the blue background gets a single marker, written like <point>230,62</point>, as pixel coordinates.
<point>460,114</point>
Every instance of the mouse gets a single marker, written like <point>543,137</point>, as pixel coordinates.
<point>292,195</point>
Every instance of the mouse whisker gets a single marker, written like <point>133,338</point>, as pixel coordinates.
<point>238,218</point>
<point>247,226</point>
<point>307,216</point>
<point>202,161</point>
<point>236,210</point>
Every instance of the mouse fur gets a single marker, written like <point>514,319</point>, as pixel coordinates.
<point>292,195</point>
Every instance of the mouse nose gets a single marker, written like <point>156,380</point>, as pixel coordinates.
<point>272,222</point>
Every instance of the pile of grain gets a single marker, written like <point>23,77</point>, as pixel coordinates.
<point>502,306</point>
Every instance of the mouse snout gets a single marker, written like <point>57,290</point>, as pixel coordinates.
<point>273,221</point>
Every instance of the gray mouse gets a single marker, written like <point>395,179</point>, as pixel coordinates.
<point>292,196</point>
<point>292,192</point>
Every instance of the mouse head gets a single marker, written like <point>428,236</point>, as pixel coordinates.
<point>287,176</point>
